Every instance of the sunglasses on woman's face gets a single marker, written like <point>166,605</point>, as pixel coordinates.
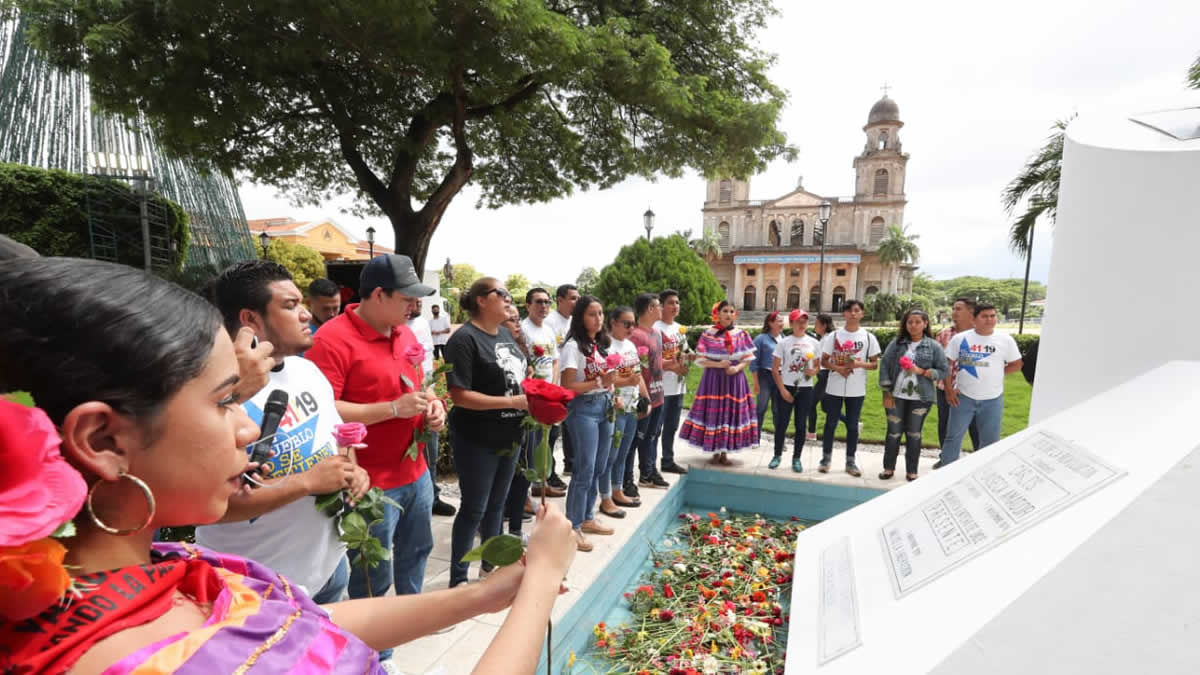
<point>627,324</point>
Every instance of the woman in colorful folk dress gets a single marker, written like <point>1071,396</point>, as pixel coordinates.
<point>722,416</point>
<point>139,384</point>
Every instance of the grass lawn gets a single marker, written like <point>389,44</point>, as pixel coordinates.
<point>1017,393</point>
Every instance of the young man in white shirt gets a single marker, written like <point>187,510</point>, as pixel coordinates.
<point>565,297</point>
<point>962,319</point>
<point>848,353</point>
<point>423,330</point>
<point>439,326</point>
<point>675,369</point>
<point>280,526</point>
<point>541,341</point>
<point>975,388</point>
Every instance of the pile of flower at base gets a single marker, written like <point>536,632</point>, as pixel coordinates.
<point>713,602</point>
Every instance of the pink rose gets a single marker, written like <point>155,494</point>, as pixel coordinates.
<point>643,350</point>
<point>612,361</point>
<point>415,354</point>
<point>39,491</point>
<point>349,433</point>
<point>847,346</point>
<point>906,363</point>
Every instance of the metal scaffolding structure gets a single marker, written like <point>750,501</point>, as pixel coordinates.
<point>47,121</point>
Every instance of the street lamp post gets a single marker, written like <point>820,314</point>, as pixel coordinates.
<point>265,240</point>
<point>823,216</point>
<point>648,222</point>
<point>370,242</point>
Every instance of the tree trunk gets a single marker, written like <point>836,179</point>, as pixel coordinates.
<point>414,232</point>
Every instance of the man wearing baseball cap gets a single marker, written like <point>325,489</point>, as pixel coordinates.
<point>371,359</point>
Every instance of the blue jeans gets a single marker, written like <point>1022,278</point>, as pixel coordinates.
<point>766,397</point>
<point>431,455</point>
<point>518,490</point>
<point>672,408</point>
<point>410,537</point>
<point>648,430</point>
<point>484,479</point>
<point>988,416</point>
<point>334,588</point>
<point>591,435</point>
<point>833,412</point>
<point>802,403</point>
<point>627,424</point>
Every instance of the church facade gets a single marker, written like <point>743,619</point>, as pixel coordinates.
<point>771,249</point>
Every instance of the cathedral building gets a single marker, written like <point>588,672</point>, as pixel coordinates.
<point>771,249</point>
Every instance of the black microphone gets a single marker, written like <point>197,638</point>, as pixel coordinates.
<point>273,411</point>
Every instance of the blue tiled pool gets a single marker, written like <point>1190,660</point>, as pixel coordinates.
<point>699,490</point>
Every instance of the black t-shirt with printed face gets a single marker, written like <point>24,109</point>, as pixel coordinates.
<point>492,365</point>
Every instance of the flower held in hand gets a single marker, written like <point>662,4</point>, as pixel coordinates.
<point>547,401</point>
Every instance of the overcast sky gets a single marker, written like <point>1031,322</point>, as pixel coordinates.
<point>978,89</point>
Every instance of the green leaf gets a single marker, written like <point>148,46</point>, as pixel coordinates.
<point>508,452</point>
<point>65,530</point>
<point>531,475</point>
<point>443,369</point>
<point>354,526</point>
<point>502,550</point>
<point>413,450</point>
<point>474,554</point>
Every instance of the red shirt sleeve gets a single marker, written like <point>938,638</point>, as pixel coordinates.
<point>331,359</point>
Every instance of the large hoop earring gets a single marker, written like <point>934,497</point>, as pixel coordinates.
<point>112,530</point>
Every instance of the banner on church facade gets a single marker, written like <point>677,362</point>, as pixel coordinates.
<point>790,259</point>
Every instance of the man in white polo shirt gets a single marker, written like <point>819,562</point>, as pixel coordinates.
<point>975,388</point>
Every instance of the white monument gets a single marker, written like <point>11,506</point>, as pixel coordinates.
<point>1126,246</point>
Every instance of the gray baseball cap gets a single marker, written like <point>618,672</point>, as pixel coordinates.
<point>393,273</point>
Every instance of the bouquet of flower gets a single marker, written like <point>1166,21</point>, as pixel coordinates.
<point>713,602</point>
<point>39,495</point>
<point>844,353</point>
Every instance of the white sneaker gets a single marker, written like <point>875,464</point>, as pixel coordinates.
<point>391,668</point>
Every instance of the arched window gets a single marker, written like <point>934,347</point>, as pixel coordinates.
<point>798,232</point>
<point>773,238</point>
<point>881,182</point>
<point>871,290</point>
<point>883,139</point>
<point>772,299</point>
<point>793,299</point>
<point>839,297</point>
<point>818,234</point>
<point>748,297</point>
<point>814,299</point>
<point>877,230</point>
<point>726,191</point>
<point>723,234</point>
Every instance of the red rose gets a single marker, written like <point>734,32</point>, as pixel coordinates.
<point>547,401</point>
<point>668,592</point>
<point>539,350</point>
<point>415,354</point>
<point>39,491</point>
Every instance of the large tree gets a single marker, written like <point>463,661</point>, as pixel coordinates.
<point>1037,188</point>
<point>898,247</point>
<point>406,102</point>
<point>664,262</point>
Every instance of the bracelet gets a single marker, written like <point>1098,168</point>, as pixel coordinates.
<point>395,413</point>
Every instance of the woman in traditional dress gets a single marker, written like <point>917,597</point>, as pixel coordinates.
<point>140,382</point>
<point>722,416</point>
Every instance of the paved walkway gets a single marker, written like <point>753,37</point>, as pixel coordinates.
<point>458,650</point>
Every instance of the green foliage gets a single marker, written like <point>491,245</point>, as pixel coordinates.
<point>501,550</point>
<point>664,262</point>
<point>48,210</point>
<point>452,289</point>
<point>408,102</point>
<point>708,246</point>
<point>518,285</point>
<point>1037,187</point>
<point>881,307</point>
<point>1193,77</point>
<point>304,263</point>
<point>585,282</point>
<point>898,247</point>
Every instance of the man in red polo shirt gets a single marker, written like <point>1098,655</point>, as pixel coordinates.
<point>362,353</point>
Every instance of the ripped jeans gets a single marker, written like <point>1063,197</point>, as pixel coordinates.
<point>908,417</point>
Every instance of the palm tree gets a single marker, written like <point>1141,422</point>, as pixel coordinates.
<point>896,248</point>
<point>1194,75</point>
<point>708,246</point>
<point>1037,186</point>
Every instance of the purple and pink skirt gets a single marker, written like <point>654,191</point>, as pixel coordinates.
<point>722,415</point>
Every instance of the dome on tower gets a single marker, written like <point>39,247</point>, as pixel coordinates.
<point>884,110</point>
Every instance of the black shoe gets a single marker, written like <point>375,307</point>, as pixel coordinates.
<point>526,516</point>
<point>630,490</point>
<point>937,464</point>
<point>853,470</point>
<point>654,480</point>
<point>556,482</point>
<point>441,508</point>
<point>674,468</point>
<point>567,470</point>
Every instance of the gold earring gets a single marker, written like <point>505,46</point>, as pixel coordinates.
<point>112,530</point>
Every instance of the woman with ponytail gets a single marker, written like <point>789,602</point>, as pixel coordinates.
<point>722,418</point>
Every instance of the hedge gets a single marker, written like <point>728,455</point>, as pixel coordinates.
<point>884,335</point>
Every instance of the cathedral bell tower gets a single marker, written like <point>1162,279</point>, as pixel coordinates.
<point>880,169</point>
<point>726,192</point>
